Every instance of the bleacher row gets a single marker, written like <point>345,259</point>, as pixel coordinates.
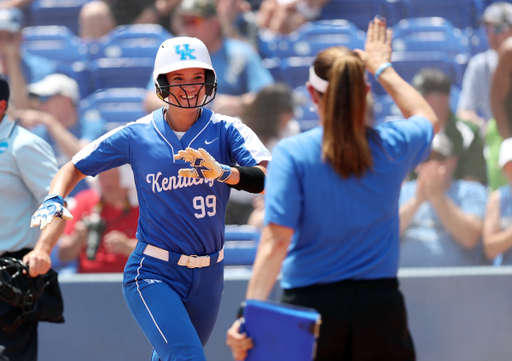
<point>418,43</point>
<point>112,73</point>
<point>461,13</point>
<point>124,58</point>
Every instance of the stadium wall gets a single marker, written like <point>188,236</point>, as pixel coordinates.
<point>454,314</point>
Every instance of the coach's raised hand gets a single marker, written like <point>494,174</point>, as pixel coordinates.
<point>378,50</point>
<point>53,206</point>
<point>377,60</point>
<point>203,165</point>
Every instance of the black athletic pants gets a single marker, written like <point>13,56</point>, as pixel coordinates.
<point>363,320</point>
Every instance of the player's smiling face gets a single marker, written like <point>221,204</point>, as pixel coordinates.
<point>187,87</point>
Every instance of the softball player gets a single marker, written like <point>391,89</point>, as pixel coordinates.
<point>331,208</point>
<point>173,281</point>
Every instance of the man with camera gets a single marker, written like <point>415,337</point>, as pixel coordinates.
<point>102,233</point>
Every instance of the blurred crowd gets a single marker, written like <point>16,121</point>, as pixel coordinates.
<point>455,209</point>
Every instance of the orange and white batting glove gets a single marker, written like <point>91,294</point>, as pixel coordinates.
<point>203,165</point>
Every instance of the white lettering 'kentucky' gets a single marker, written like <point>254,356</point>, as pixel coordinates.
<point>173,182</point>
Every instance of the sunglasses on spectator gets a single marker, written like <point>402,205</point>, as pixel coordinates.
<point>496,28</point>
<point>44,99</point>
<point>192,20</point>
<point>40,98</point>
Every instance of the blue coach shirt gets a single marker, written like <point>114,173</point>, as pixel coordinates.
<point>343,228</point>
<point>182,215</point>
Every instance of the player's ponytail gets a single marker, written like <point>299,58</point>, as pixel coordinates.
<point>345,145</point>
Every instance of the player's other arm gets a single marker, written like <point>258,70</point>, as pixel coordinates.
<point>54,206</point>
<point>38,259</point>
<point>37,166</point>
<point>66,180</point>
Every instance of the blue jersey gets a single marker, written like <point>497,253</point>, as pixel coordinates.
<point>179,214</point>
<point>343,228</point>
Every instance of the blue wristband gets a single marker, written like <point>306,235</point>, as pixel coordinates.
<point>381,68</point>
<point>57,197</point>
<point>225,174</point>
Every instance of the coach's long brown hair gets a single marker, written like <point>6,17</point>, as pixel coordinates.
<point>345,145</point>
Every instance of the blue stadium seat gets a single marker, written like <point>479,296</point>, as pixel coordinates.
<point>125,57</point>
<point>241,243</point>
<point>461,13</point>
<point>454,98</point>
<point>117,106</point>
<point>408,63</point>
<point>290,56</point>
<point>429,34</point>
<point>385,108</point>
<point>477,40</point>
<point>310,38</point>
<point>127,41</point>
<point>52,12</point>
<point>58,43</point>
<point>121,72</point>
<point>293,71</point>
<point>54,42</point>
<point>304,109</point>
<point>360,12</point>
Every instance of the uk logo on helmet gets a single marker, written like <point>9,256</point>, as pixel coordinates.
<point>184,52</point>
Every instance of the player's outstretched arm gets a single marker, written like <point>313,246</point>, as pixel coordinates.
<point>53,205</point>
<point>203,165</point>
<point>250,179</point>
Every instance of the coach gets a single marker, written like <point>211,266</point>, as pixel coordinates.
<point>331,208</point>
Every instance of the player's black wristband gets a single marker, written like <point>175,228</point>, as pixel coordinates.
<point>240,311</point>
<point>252,180</point>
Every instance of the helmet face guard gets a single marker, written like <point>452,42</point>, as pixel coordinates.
<point>183,53</point>
<point>210,85</point>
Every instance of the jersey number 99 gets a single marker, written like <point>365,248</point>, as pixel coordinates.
<point>205,206</point>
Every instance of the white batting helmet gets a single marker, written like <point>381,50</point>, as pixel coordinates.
<point>183,53</point>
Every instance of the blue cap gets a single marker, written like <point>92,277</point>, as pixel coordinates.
<point>11,20</point>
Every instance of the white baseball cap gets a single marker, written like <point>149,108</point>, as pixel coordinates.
<point>11,19</point>
<point>498,13</point>
<point>442,145</point>
<point>505,152</point>
<point>56,84</point>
